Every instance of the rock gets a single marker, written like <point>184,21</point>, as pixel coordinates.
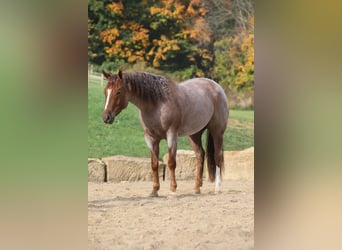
<point>124,168</point>
<point>96,170</point>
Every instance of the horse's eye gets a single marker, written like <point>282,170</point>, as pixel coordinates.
<point>118,93</point>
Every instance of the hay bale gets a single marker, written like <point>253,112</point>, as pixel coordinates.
<point>96,170</point>
<point>124,168</point>
<point>186,165</point>
<point>239,164</point>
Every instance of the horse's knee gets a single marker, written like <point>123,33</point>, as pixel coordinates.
<point>200,154</point>
<point>154,161</point>
<point>171,163</point>
<point>155,167</point>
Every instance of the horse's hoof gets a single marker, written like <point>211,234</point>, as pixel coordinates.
<point>153,194</point>
<point>218,191</point>
<point>172,194</point>
<point>197,191</point>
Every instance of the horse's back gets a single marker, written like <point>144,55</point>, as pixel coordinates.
<point>201,101</point>
<point>200,84</point>
<point>205,87</point>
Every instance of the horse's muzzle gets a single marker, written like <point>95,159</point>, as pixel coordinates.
<point>108,117</point>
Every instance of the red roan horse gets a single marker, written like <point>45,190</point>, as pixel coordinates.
<point>169,110</point>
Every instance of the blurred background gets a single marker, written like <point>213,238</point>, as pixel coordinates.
<point>298,139</point>
<point>43,128</point>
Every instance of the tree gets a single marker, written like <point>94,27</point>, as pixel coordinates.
<point>229,17</point>
<point>234,64</point>
<point>211,38</point>
<point>166,34</point>
<point>99,18</point>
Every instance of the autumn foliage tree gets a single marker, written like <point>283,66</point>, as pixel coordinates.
<point>234,61</point>
<point>169,35</point>
<point>210,38</point>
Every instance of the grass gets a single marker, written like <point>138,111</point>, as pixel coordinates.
<point>125,136</point>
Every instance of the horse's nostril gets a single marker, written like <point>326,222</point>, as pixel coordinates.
<point>105,118</point>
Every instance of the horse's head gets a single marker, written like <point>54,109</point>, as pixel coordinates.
<point>115,96</point>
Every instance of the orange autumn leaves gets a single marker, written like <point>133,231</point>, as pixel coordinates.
<point>134,48</point>
<point>188,38</point>
<point>169,27</point>
<point>234,65</point>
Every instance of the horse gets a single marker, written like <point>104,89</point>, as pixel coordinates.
<point>168,110</point>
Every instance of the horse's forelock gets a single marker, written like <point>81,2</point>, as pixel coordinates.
<point>113,78</point>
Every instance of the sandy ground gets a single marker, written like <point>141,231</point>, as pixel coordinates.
<point>122,216</point>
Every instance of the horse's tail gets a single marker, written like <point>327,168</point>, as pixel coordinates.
<point>211,157</point>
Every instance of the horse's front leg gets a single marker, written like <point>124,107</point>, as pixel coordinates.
<point>154,149</point>
<point>196,144</point>
<point>172,146</point>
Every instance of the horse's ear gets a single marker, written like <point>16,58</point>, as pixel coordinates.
<point>120,73</point>
<point>106,75</point>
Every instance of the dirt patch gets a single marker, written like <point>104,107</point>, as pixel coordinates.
<point>122,216</point>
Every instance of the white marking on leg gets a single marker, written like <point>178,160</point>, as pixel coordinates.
<point>170,138</point>
<point>148,142</point>
<point>217,180</point>
<point>109,91</point>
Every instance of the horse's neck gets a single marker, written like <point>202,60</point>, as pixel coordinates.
<point>137,99</point>
<point>140,103</point>
<point>133,97</point>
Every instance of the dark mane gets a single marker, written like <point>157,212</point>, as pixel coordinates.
<point>151,87</point>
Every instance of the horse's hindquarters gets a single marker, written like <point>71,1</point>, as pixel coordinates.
<point>196,104</point>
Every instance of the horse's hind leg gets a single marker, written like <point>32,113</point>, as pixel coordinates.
<point>219,160</point>
<point>195,141</point>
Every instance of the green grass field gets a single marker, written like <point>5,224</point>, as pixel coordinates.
<point>125,136</point>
